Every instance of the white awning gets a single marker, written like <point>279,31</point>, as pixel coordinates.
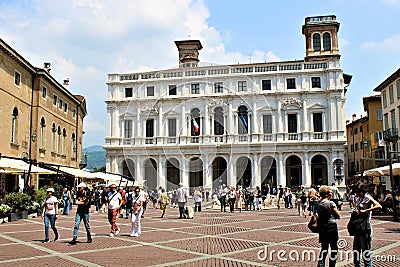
<point>76,172</point>
<point>8,165</point>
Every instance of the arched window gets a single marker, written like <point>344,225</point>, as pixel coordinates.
<point>218,121</point>
<point>327,41</point>
<point>14,124</point>
<point>73,145</point>
<point>41,133</point>
<point>58,139</point>
<point>64,134</point>
<point>53,137</point>
<point>243,119</point>
<point>317,42</point>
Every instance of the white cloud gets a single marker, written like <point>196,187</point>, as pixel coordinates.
<point>390,2</point>
<point>390,44</point>
<point>86,39</point>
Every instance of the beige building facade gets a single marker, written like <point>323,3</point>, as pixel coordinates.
<point>41,120</point>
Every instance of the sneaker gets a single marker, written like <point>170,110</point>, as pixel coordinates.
<point>132,235</point>
<point>56,237</point>
<point>73,241</point>
<point>89,240</point>
<point>111,235</point>
<point>117,231</point>
<point>46,240</point>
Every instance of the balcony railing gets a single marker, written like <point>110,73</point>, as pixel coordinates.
<point>217,139</point>
<point>391,135</point>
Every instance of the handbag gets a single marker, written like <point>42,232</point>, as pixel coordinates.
<point>313,224</point>
<point>357,224</point>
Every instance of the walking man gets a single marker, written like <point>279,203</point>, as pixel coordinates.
<point>82,213</point>
<point>114,203</point>
<point>222,197</point>
<point>182,200</point>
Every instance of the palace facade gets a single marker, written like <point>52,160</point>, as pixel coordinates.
<point>281,123</point>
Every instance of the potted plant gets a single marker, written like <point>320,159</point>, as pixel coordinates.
<point>19,204</point>
<point>4,208</point>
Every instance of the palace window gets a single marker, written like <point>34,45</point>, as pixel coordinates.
<point>128,129</point>
<point>267,124</point>
<point>316,82</point>
<point>266,85</point>
<point>243,120</point>
<point>195,88</point>
<point>218,121</point>
<point>218,87</point>
<point>172,127</point>
<point>150,90</point>
<point>129,92</point>
<point>242,86</point>
<point>291,83</point>
<point>150,128</point>
<point>292,123</point>
<point>317,121</point>
<point>172,90</point>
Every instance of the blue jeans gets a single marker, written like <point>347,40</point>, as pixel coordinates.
<point>97,204</point>
<point>362,249</point>
<point>78,218</point>
<point>222,200</point>
<point>66,206</point>
<point>50,219</point>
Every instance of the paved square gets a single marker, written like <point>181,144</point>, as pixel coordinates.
<point>212,238</point>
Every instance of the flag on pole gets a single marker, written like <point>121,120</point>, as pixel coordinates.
<point>244,122</point>
<point>196,127</point>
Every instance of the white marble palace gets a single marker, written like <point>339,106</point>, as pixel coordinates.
<point>277,123</point>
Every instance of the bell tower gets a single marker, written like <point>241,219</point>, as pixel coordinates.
<point>188,53</point>
<point>321,38</point>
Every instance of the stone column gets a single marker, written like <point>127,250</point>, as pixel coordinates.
<point>185,172</point>
<point>208,172</point>
<point>256,172</point>
<point>231,172</point>
<point>307,181</point>
<point>281,179</point>
<point>160,172</point>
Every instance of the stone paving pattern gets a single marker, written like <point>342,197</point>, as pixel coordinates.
<point>212,238</point>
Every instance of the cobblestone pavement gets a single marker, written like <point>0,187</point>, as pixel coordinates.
<point>250,238</point>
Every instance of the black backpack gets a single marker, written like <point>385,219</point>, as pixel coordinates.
<point>129,198</point>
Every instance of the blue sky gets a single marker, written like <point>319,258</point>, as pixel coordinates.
<point>85,39</point>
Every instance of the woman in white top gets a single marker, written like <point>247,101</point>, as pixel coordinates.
<point>137,210</point>
<point>49,214</point>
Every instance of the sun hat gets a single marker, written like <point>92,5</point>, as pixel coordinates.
<point>50,189</point>
<point>81,185</point>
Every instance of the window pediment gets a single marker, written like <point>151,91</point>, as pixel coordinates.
<point>317,106</point>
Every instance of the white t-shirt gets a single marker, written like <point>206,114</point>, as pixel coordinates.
<point>51,203</point>
<point>115,200</point>
<point>182,194</point>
